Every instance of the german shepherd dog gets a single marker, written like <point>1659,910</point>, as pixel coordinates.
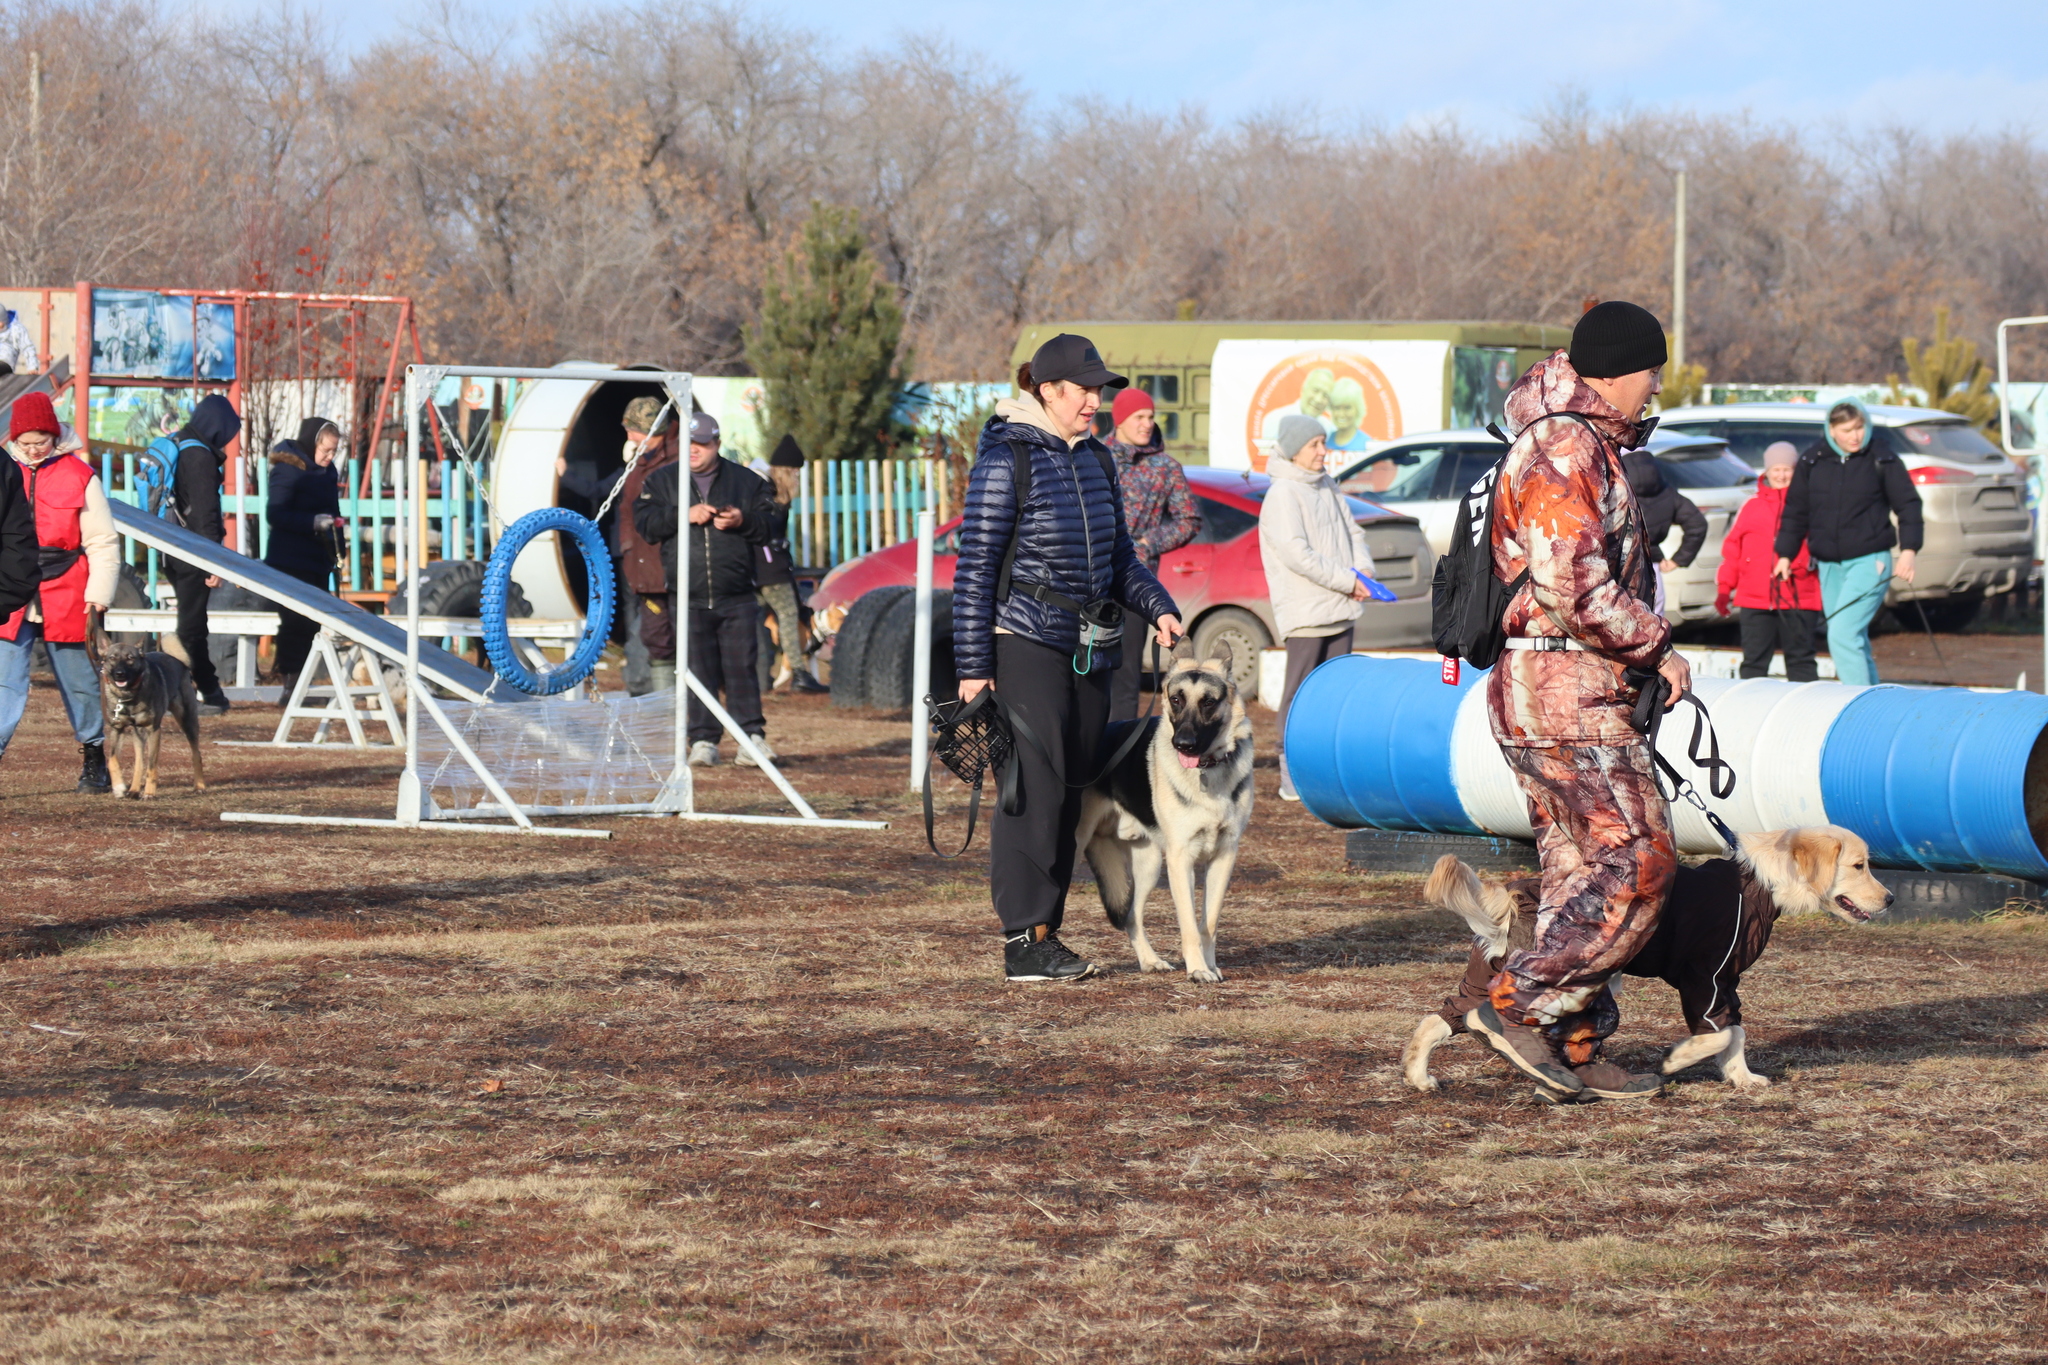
<point>1715,925</point>
<point>1178,802</point>
<point>139,692</point>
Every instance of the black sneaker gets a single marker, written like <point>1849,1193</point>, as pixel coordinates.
<point>806,683</point>
<point>214,703</point>
<point>93,777</point>
<point>1027,957</point>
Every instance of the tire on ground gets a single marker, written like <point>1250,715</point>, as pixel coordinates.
<point>1245,634</point>
<point>891,654</point>
<point>850,645</point>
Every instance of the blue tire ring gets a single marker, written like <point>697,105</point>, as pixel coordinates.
<point>597,621</point>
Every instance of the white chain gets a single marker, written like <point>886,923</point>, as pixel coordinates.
<point>668,406</point>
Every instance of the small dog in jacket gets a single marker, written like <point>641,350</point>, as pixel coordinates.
<point>138,693</point>
<point>1716,923</point>
<point>1178,802</point>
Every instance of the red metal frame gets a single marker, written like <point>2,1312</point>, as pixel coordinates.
<point>354,307</point>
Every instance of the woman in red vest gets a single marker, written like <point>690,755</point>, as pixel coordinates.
<point>81,556</point>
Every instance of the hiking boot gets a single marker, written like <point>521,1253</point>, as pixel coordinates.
<point>1528,1050</point>
<point>806,683</point>
<point>746,760</point>
<point>214,703</point>
<point>92,775</point>
<point>1287,792</point>
<point>1038,955</point>
<point>703,754</point>
<point>1611,1082</point>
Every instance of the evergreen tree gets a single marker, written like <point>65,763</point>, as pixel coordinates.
<point>826,344</point>
<point>1950,374</point>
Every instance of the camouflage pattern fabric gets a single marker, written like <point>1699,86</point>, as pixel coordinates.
<point>1565,512</point>
<point>1603,832</point>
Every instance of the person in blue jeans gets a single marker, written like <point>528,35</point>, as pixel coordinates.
<point>75,566</point>
<point>1845,492</point>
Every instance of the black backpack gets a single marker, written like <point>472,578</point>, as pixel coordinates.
<point>1467,599</point>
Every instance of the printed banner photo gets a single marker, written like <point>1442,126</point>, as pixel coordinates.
<point>1361,391</point>
<point>139,334</point>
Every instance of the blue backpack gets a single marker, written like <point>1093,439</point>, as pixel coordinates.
<point>156,476</point>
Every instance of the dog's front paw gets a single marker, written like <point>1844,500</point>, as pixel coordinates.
<point>1749,1080</point>
<point>1156,964</point>
<point>1204,974</point>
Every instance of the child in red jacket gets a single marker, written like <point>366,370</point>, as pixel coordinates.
<point>1776,614</point>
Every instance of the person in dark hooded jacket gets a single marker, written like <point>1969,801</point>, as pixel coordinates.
<point>1663,507</point>
<point>195,493</point>
<point>302,510</point>
<point>1022,572</point>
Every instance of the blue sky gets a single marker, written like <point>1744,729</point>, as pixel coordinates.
<point>1816,63</point>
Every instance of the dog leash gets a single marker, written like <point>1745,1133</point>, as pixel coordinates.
<point>1130,741</point>
<point>1648,720</point>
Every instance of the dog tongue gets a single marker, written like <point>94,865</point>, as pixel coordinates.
<point>1189,760</point>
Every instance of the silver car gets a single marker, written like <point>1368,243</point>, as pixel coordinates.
<point>1423,475</point>
<point>1979,539</point>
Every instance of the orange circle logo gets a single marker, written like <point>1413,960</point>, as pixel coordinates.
<point>1341,389</point>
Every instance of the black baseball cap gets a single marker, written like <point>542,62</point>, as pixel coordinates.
<point>1073,359</point>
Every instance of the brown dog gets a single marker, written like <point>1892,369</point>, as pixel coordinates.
<point>139,692</point>
<point>1716,923</point>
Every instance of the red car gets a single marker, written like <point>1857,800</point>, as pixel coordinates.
<point>1218,579</point>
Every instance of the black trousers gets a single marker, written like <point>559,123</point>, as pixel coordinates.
<point>295,632</point>
<point>190,586</point>
<point>1031,853</point>
<point>1792,629</point>
<point>724,654</point>
<point>1126,684</point>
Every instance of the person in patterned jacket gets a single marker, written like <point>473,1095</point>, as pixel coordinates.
<point>1560,699</point>
<point>1159,510</point>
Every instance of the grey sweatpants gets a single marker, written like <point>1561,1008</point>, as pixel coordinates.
<point>1304,654</point>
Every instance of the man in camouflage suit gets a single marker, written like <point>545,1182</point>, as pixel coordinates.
<point>1560,700</point>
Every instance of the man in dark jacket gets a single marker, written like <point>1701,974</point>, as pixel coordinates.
<point>1845,491</point>
<point>195,492</point>
<point>1664,506</point>
<point>725,519</point>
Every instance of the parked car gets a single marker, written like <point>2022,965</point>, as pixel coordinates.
<point>1218,581</point>
<point>1424,474</point>
<point>1979,539</point>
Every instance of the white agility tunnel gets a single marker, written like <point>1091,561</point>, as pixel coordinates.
<point>574,418</point>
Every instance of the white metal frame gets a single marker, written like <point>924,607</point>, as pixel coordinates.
<point>416,808</point>
<point>2040,458</point>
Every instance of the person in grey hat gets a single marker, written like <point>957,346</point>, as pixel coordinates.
<point>711,532</point>
<point>1314,551</point>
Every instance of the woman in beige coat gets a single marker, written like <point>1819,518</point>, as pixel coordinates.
<point>1314,552</point>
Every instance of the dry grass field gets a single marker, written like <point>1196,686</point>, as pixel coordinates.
<point>718,1092</point>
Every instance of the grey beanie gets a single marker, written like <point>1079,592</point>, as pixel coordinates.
<point>1297,429</point>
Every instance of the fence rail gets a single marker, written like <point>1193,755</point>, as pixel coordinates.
<point>845,508</point>
<point>850,507</point>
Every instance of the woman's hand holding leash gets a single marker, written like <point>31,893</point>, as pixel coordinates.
<point>970,688</point>
<point>1169,630</point>
<point>1782,569</point>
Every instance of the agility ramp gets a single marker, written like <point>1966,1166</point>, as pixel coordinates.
<point>378,634</point>
<point>1940,779</point>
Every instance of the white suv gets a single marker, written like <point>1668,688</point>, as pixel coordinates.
<point>1423,475</point>
<point>1979,535</point>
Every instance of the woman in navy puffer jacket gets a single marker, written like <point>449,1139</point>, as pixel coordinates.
<point>1071,548</point>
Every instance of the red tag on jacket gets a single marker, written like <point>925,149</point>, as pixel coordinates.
<point>1450,672</point>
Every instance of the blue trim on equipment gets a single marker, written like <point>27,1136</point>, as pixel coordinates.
<point>1369,745</point>
<point>1937,777</point>
<point>597,621</point>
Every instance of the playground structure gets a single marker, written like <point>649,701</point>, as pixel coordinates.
<point>424,664</point>
<point>1941,779</point>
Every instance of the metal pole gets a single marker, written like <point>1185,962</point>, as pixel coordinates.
<point>2040,454</point>
<point>921,662</point>
<point>412,794</point>
<point>1678,279</point>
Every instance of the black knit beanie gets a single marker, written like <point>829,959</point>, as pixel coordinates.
<point>1617,338</point>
